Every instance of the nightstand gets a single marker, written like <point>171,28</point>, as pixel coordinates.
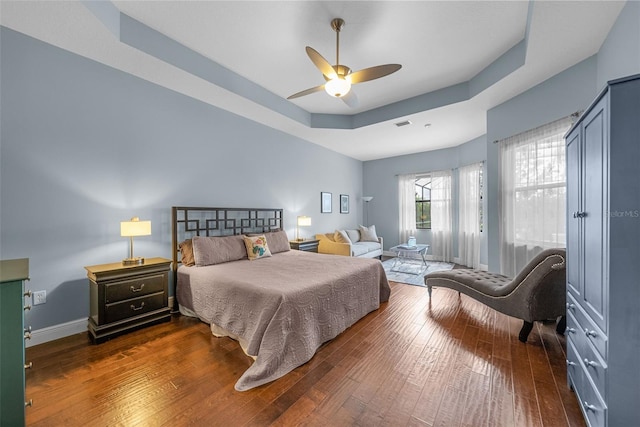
<point>127,297</point>
<point>310,245</point>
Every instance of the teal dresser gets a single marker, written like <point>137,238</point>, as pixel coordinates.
<point>13,273</point>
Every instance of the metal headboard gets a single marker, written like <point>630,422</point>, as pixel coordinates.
<point>187,222</point>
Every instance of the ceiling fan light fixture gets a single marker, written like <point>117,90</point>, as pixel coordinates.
<point>337,87</point>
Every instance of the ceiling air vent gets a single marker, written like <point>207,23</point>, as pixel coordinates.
<point>405,123</point>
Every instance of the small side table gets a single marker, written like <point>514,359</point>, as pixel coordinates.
<point>127,297</point>
<point>305,245</point>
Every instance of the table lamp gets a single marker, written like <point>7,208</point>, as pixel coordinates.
<point>132,228</point>
<point>303,221</point>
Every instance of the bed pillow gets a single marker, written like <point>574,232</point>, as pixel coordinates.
<point>277,241</point>
<point>219,249</point>
<point>368,234</point>
<point>186,251</point>
<point>341,236</point>
<point>257,247</point>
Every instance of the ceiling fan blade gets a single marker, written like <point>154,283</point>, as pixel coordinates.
<point>351,99</point>
<point>307,92</point>
<point>321,63</point>
<point>373,73</point>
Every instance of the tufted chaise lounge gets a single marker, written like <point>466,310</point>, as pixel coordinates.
<point>536,293</point>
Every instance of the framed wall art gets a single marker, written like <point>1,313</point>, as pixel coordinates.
<point>325,202</point>
<point>344,203</point>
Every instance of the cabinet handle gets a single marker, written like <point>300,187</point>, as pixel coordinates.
<point>29,366</point>
<point>571,330</point>
<point>27,307</point>
<point>571,306</point>
<point>590,363</point>
<point>570,363</point>
<point>29,403</point>
<point>27,294</point>
<point>138,289</point>
<point>589,333</point>
<point>27,335</point>
<point>134,308</point>
<point>579,214</point>
<point>589,407</point>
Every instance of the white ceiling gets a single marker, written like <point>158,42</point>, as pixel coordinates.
<point>438,43</point>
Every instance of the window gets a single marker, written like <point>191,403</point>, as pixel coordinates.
<point>532,175</point>
<point>423,202</point>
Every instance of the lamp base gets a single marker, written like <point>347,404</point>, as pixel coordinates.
<point>133,261</point>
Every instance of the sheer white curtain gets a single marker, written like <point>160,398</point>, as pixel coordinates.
<point>407,201</point>
<point>441,216</point>
<point>532,194</point>
<point>469,215</point>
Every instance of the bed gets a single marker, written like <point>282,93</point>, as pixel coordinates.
<point>281,306</point>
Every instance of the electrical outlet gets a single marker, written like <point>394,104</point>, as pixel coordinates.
<point>39,297</point>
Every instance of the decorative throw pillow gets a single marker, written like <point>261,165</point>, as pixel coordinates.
<point>340,236</point>
<point>186,250</point>
<point>354,235</point>
<point>368,234</point>
<point>257,247</point>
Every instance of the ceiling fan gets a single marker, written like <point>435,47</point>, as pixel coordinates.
<point>340,77</point>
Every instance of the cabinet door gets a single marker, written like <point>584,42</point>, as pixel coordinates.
<point>595,155</point>
<point>574,221</point>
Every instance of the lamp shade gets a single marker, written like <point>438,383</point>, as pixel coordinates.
<point>304,221</point>
<point>135,227</point>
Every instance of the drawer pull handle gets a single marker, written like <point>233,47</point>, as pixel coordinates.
<point>579,214</point>
<point>589,333</point>
<point>27,294</point>
<point>589,407</point>
<point>29,366</point>
<point>571,306</point>
<point>570,363</point>
<point>29,403</point>
<point>27,334</point>
<point>138,289</point>
<point>27,307</point>
<point>571,330</point>
<point>134,308</point>
<point>590,363</point>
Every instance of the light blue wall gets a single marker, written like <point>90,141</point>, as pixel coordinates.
<point>84,146</point>
<point>619,55</point>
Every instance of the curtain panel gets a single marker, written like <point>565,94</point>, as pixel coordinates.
<point>407,202</point>
<point>441,216</point>
<point>532,194</point>
<point>469,215</point>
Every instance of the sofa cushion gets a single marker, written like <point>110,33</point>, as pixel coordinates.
<point>370,246</point>
<point>368,234</point>
<point>341,236</point>
<point>354,235</point>
<point>359,249</point>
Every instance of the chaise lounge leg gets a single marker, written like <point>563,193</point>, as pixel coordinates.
<point>429,291</point>
<point>524,332</point>
<point>562,325</point>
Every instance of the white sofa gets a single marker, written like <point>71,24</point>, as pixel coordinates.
<point>327,244</point>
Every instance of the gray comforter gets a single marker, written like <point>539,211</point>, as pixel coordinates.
<point>283,308</point>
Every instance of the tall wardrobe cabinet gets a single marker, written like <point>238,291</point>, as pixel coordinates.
<point>603,256</point>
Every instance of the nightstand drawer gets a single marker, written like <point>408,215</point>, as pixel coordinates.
<point>134,288</point>
<point>134,307</point>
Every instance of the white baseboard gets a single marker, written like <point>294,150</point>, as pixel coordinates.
<point>62,330</point>
<point>51,333</point>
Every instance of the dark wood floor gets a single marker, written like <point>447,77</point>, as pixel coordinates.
<point>451,362</point>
